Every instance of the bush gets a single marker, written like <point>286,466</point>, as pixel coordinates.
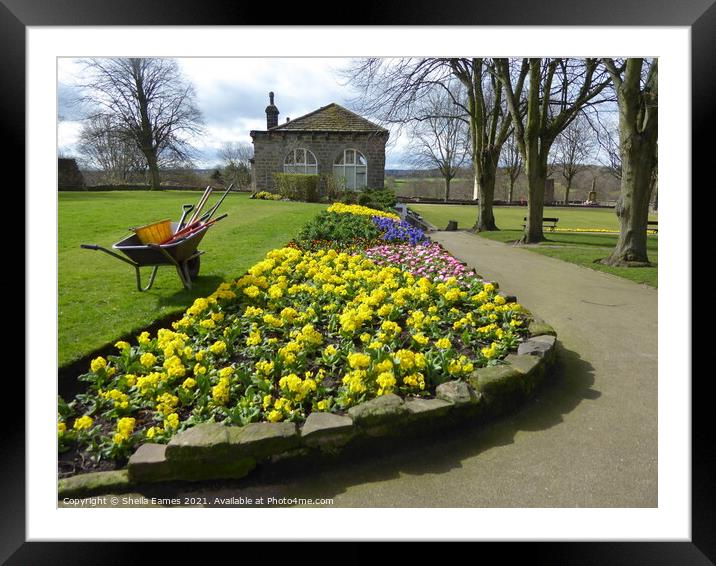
<point>297,187</point>
<point>340,228</point>
<point>382,199</point>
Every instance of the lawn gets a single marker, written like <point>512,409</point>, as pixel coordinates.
<point>510,217</point>
<point>579,248</point>
<point>97,296</point>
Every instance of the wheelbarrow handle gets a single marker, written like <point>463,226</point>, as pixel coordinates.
<point>95,247</point>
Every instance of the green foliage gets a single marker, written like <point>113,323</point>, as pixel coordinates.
<point>338,228</point>
<point>299,187</point>
<point>380,199</point>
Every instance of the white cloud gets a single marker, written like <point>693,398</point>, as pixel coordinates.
<point>232,94</point>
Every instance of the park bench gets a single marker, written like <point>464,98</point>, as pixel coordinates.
<point>551,223</point>
<point>652,226</point>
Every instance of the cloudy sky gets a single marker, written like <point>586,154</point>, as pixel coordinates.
<point>232,94</point>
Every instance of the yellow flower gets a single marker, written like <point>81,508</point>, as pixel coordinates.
<point>207,323</point>
<point>365,337</point>
<point>252,291</point>
<point>125,426</point>
<point>415,380</point>
<point>274,416</point>
<point>386,382</point>
<point>189,383</point>
<point>98,364</point>
<point>152,431</point>
<point>358,361</point>
<point>143,338</point>
<point>330,351</point>
<point>148,359</point>
<point>171,421</point>
<point>265,367</point>
<point>83,423</point>
<point>443,343</point>
<point>420,338</point>
<point>121,345</point>
<point>218,347</point>
<point>254,338</point>
<point>322,405</point>
<point>61,428</point>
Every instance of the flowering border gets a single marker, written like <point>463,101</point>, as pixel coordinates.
<point>213,451</point>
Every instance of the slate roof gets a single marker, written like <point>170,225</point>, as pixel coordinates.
<point>331,118</point>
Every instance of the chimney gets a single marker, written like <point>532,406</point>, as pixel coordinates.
<point>271,113</point>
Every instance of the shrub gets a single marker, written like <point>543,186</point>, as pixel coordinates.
<point>265,195</point>
<point>382,199</point>
<point>341,228</point>
<point>295,186</point>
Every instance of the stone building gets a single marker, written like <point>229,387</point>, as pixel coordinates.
<point>329,141</point>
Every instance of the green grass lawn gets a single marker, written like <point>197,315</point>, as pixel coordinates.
<point>510,217</point>
<point>98,298</point>
<point>579,248</point>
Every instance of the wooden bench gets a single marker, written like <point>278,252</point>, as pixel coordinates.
<point>652,226</point>
<point>551,223</point>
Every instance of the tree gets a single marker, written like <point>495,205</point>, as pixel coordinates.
<point>557,90</point>
<point>392,91</point>
<point>103,145</point>
<point>439,141</point>
<point>573,146</point>
<point>236,157</point>
<point>512,162</point>
<point>636,84</point>
<point>150,102</point>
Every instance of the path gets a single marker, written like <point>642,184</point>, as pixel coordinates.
<point>588,440</point>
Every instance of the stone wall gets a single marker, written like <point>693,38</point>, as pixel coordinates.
<point>271,148</point>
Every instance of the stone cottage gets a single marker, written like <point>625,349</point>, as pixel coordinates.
<point>331,140</point>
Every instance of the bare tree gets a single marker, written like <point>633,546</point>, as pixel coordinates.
<point>636,83</point>
<point>573,147</point>
<point>392,89</point>
<point>236,158</point>
<point>512,162</point>
<point>439,141</point>
<point>556,91</point>
<point>151,103</point>
<point>104,146</point>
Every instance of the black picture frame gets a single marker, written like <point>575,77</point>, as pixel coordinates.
<point>698,15</point>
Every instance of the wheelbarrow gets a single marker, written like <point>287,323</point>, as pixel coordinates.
<point>182,252</point>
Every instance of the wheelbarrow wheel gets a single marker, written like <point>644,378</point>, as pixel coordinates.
<point>192,267</point>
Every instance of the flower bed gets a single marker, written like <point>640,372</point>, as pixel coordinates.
<point>429,260</point>
<point>302,332</point>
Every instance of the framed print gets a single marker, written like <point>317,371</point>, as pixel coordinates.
<point>597,472</point>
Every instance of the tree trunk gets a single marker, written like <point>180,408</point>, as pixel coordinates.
<point>632,207</point>
<point>638,129</point>
<point>537,176</point>
<point>486,187</point>
<point>512,190</point>
<point>447,189</point>
<point>153,170</point>
<point>566,192</point>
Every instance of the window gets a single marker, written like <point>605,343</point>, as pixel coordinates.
<point>352,166</point>
<point>300,161</point>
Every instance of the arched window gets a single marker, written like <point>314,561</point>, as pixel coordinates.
<point>300,161</point>
<point>352,166</point>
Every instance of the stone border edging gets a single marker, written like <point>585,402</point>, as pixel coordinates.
<point>214,451</point>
